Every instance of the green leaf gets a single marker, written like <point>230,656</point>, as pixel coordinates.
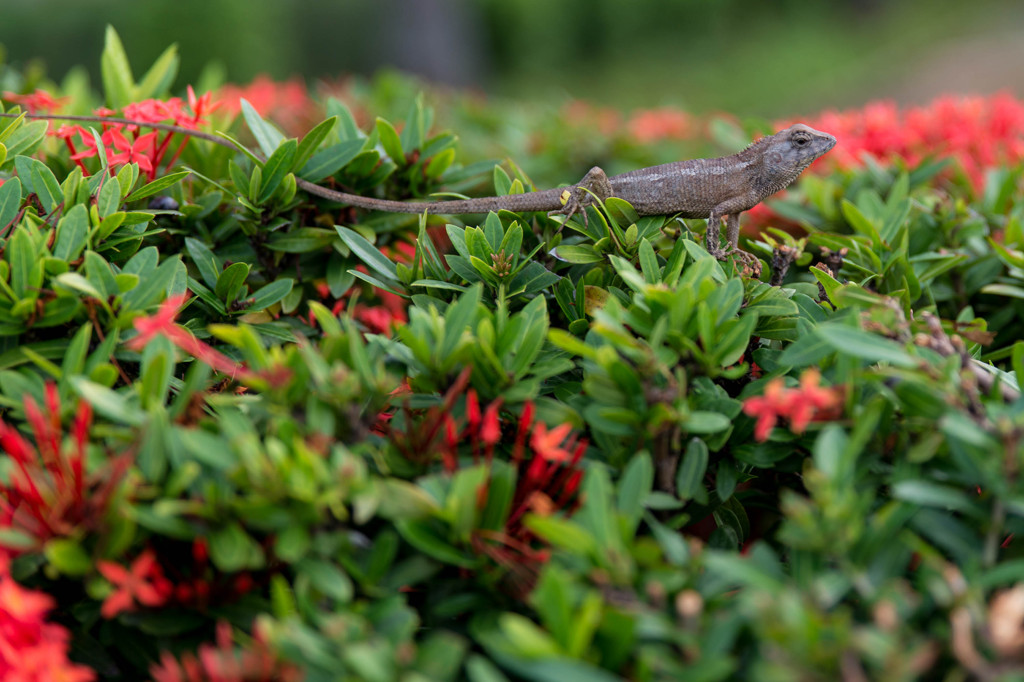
<point>46,187</point>
<point>634,487</point>
<point>390,141</point>
<point>68,557</point>
<point>422,535</point>
<point>861,344</point>
<point>327,578</point>
<point>457,318</point>
<point>231,282</point>
<point>109,198</point>
<point>26,138</point>
<point>77,282</point>
<point>292,543</point>
<point>267,136</point>
<point>929,494</point>
<point>118,83</point>
<point>10,201</point>
<point>562,533</point>
<point>367,253</point>
<point>690,477</point>
<point>302,240</point>
<point>725,479</point>
<point>21,253</point>
<point>578,254</point>
<point>157,185</point>
<point>312,141</point>
<point>205,260</point>
<point>157,284</point>
<point>160,76</point>
<point>107,402</point>
<point>439,163</point>
<point>277,166</point>
<point>859,222</point>
<point>267,296</point>
<point>649,262</point>
<point>231,548</point>
<point>327,162</point>
<point>733,342</point>
<point>597,514</point>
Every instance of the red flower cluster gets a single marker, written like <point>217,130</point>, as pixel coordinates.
<point>379,318</point>
<point>32,650</point>
<point>38,102</point>
<point>547,481</point>
<point>149,150</point>
<point>220,662</point>
<point>979,132</point>
<point>644,126</point>
<point>199,585</point>
<point>547,463</point>
<point>652,125</point>
<point>287,104</point>
<point>49,493</point>
<point>799,405</point>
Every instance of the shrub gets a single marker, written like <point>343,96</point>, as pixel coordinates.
<point>344,445</point>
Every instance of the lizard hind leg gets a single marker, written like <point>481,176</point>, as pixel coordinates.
<point>576,198</point>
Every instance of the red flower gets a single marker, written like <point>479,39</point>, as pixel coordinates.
<point>800,405</point>
<point>49,493</point>
<point>766,408</point>
<point>287,104</point>
<point>32,650</point>
<point>810,401</point>
<point>162,324</point>
<point>490,428</point>
<point>142,584</point>
<point>38,101</point>
<point>221,662</point>
<point>979,132</point>
<point>200,106</point>
<point>139,151</point>
<point>548,444</point>
<point>652,125</point>
<point>152,111</point>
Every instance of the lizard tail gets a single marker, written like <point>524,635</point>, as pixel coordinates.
<point>547,200</point>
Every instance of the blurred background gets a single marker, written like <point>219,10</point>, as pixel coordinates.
<point>748,57</point>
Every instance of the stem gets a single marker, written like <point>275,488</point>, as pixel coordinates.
<point>991,550</point>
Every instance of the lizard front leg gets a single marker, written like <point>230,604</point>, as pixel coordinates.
<point>713,235</point>
<point>577,197</point>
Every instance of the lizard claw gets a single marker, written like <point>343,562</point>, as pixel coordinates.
<point>751,264</point>
<point>571,207</point>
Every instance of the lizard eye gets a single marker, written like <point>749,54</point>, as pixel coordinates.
<point>801,140</point>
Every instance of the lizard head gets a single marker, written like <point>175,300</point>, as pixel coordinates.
<point>798,145</point>
<point>784,155</point>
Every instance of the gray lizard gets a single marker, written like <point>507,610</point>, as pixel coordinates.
<point>715,189</point>
<point>698,188</point>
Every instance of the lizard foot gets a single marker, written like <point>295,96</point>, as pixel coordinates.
<point>751,265</point>
<point>571,207</point>
<point>576,198</point>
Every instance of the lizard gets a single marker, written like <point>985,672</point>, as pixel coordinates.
<point>716,189</point>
